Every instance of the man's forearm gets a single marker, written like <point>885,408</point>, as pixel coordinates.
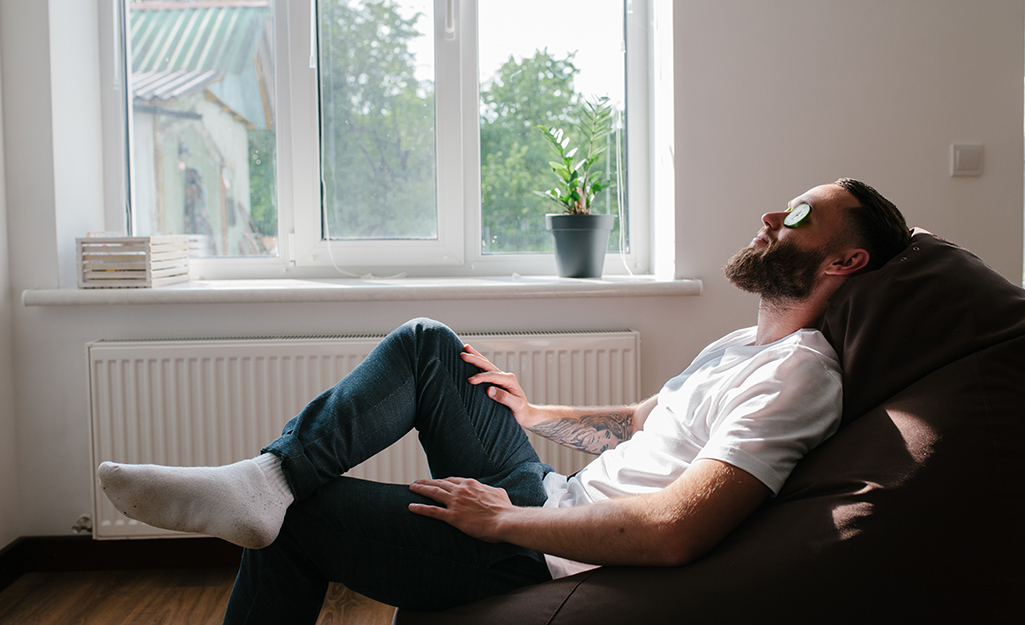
<point>670,527</point>
<point>615,532</point>
<point>589,429</point>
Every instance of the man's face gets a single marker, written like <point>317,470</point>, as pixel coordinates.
<point>784,264</point>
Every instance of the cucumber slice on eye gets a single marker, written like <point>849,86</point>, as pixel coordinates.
<point>796,215</point>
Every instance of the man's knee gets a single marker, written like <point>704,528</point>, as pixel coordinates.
<point>429,331</point>
<point>425,324</point>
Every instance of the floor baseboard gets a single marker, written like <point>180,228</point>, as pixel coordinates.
<point>82,553</point>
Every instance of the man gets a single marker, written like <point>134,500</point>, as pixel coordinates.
<point>678,471</point>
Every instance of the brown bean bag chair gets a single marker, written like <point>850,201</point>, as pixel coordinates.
<point>911,512</point>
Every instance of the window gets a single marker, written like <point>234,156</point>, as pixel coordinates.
<point>347,137</point>
<point>201,123</point>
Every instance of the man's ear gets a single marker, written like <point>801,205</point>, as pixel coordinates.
<point>848,263</point>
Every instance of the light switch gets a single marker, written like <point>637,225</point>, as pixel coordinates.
<point>966,159</point>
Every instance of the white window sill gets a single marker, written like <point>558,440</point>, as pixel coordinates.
<point>377,290</point>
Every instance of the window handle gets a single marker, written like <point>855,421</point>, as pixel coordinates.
<point>450,19</point>
<point>313,34</point>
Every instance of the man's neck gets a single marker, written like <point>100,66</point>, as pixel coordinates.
<point>779,319</point>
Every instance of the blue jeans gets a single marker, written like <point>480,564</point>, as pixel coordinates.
<point>361,533</point>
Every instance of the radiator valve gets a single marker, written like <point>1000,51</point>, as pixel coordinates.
<point>83,524</point>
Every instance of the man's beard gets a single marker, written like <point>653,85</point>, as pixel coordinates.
<point>781,272</point>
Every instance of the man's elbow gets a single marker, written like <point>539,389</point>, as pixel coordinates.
<point>677,549</point>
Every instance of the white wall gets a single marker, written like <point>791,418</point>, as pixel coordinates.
<point>772,98</point>
<point>775,97</point>
<point>10,527</point>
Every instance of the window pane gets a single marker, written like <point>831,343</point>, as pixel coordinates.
<point>202,109</point>
<point>376,78</point>
<point>539,61</point>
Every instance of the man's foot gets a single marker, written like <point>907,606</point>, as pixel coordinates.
<point>243,503</point>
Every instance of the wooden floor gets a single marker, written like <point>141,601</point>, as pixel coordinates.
<point>171,597</point>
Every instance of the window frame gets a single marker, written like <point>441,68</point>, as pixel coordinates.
<point>457,251</point>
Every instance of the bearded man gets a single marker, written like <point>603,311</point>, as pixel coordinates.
<point>676,473</point>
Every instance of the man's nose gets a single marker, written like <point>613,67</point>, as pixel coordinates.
<point>774,220</point>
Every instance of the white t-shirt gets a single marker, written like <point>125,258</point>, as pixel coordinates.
<point>760,408</point>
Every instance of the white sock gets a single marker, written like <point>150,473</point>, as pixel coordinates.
<point>243,503</point>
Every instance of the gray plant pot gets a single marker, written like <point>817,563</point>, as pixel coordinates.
<point>580,243</point>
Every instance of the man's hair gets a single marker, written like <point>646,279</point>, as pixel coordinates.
<point>876,223</point>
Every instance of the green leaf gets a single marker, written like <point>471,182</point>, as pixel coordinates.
<point>580,174</point>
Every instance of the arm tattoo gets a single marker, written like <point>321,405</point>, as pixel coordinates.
<point>591,433</point>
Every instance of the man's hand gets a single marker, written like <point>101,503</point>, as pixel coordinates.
<point>469,506</point>
<point>590,429</point>
<point>505,387</point>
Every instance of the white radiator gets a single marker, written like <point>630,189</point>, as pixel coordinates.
<point>216,401</point>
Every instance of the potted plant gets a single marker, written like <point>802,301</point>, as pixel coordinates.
<point>580,236</point>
